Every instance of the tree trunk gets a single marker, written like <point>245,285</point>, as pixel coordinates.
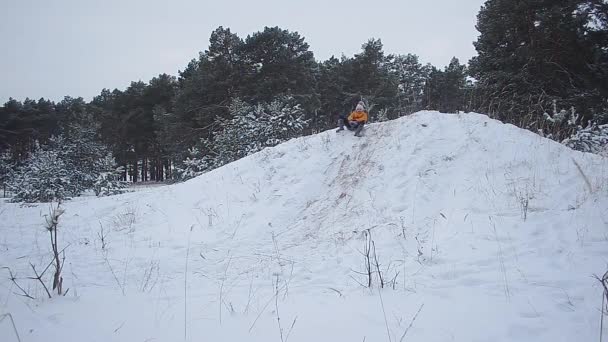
<point>155,172</point>
<point>135,173</point>
<point>161,177</point>
<point>123,174</point>
<point>144,169</point>
<point>159,170</point>
<point>168,173</point>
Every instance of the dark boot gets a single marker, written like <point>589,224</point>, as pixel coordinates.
<point>359,129</point>
<point>340,125</point>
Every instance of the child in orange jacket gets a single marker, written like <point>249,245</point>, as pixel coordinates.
<point>355,121</point>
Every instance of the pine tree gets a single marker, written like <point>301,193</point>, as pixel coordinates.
<point>43,178</point>
<point>444,90</point>
<point>452,90</point>
<point>237,137</point>
<point>108,181</point>
<point>412,76</point>
<point>169,131</point>
<point>195,164</point>
<point>283,119</point>
<point>532,53</point>
<point>331,81</point>
<point>208,84</point>
<point>278,62</point>
<point>80,150</point>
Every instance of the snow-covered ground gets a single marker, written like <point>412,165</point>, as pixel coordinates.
<point>270,248</point>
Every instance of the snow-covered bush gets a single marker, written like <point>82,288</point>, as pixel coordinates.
<point>382,115</point>
<point>562,116</point>
<point>559,124</point>
<point>593,139</point>
<point>565,124</point>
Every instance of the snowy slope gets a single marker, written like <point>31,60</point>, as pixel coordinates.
<point>280,234</point>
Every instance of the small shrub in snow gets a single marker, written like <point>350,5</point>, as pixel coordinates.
<point>593,139</point>
<point>562,116</point>
<point>52,221</point>
<point>58,260</point>
<point>382,115</point>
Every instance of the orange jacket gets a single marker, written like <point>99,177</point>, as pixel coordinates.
<point>358,116</point>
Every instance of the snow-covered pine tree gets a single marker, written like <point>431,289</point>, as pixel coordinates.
<point>43,178</point>
<point>108,181</point>
<point>90,162</point>
<point>66,167</point>
<point>74,160</point>
<point>249,130</point>
<point>236,137</point>
<point>283,119</point>
<point>195,164</point>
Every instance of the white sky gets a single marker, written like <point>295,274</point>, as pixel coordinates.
<point>53,48</point>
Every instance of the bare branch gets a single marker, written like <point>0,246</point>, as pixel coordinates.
<point>411,323</point>
<point>13,278</point>
<point>39,278</point>
<point>3,316</point>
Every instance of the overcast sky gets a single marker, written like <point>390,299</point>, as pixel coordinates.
<point>53,48</point>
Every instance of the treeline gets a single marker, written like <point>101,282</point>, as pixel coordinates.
<point>541,64</point>
<point>151,126</point>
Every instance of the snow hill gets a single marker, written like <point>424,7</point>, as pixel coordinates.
<point>483,232</point>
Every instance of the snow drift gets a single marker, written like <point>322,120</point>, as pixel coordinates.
<point>481,231</point>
